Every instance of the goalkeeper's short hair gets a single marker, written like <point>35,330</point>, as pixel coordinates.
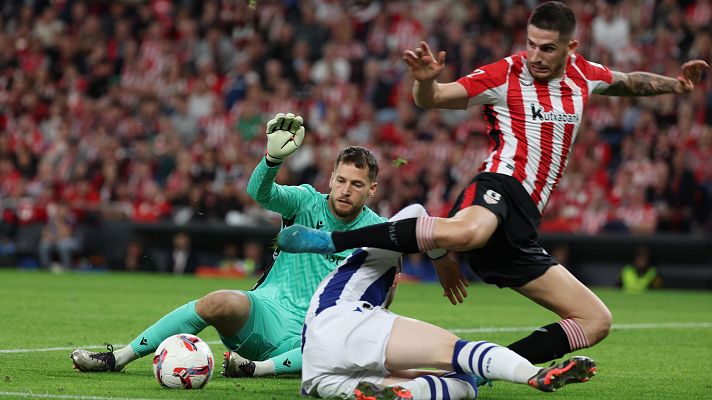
<point>360,157</point>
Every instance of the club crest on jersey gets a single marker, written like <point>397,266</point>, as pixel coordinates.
<point>492,197</point>
<point>539,115</point>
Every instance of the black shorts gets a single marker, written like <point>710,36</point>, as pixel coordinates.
<point>513,256</point>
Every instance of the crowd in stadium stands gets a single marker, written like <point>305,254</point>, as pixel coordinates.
<point>155,110</point>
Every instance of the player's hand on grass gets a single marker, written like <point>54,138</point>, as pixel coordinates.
<point>451,278</point>
<point>423,64</point>
<point>285,133</point>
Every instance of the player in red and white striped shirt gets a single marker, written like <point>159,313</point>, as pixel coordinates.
<point>533,104</point>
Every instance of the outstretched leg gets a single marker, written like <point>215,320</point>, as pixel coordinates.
<point>469,229</point>
<point>585,318</point>
<point>415,344</point>
<point>225,309</point>
<point>183,319</point>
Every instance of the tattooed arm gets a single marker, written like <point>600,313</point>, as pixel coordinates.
<point>648,84</point>
<point>641,84</point>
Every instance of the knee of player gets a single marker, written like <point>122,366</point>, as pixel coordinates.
<point>218,304</point>
<point>605,323</point>
<point>600,325</point>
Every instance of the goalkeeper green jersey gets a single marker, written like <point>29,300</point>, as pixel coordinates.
<point>293,278</point>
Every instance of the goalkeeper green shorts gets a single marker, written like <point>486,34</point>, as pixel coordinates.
<point>269,331</point>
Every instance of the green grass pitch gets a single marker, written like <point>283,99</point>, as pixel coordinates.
<point>660,347</point>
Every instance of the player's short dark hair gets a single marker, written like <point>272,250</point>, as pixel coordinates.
<point>360,157</point>
<point>554,16</point>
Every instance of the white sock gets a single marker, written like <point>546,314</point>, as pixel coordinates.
<point>124,356</point>
<point>264,368</point>
<point>491,361</point>
<point>430,387</point>
<point>504,364</point>
<point>524,371</point>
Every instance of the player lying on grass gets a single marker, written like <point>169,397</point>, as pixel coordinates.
<point>264,324</point>
<point>353,346</point>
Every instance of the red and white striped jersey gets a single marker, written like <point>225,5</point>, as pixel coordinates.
<point>532,125</point>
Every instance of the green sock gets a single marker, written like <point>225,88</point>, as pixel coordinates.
<point>288,363</point>
<point>183,319</point>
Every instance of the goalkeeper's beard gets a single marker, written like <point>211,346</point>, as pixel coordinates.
<point>349,213</point>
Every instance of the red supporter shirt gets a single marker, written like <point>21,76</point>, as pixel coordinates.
<point>532,125</point>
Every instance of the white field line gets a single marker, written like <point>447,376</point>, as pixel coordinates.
<point>652,326</point>
<point>493,329</point>
<point>64,396</point>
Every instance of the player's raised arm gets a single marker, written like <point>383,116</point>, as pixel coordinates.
<point>428,93</point>
<point>649,84</point>
<point>285,134</point>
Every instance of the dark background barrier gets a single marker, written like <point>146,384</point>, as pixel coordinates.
<point>683,261</point>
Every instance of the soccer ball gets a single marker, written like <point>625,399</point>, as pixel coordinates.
<point>183,361</point>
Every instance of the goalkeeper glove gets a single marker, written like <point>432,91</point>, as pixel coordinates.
<point>285,134</point>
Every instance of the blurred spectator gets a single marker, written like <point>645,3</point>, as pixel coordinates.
<point>596,214</point>
<point>8,229</point>
<point>332,67</point>
<point>201,99</point>
<point>230,261</point>
<point>152,206</point>
<point>229,200</point>
<point>183,123</point>
<point>59,234</point>
<point>310,30</point>
<point>137,258</point>
<point>252,260</point>
<point>640,275</point>
<point>637,216</point>
<point>181,259</point>
<point>9,178</point>
<point>610,31</point>
<point>681,195</point>
<point>25,162</point>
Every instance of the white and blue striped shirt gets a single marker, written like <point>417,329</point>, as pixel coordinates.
<point>350,282</point>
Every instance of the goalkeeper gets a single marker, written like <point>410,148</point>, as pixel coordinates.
<point>262,327</point>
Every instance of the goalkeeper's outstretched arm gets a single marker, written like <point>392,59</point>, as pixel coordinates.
<point>285,133</point>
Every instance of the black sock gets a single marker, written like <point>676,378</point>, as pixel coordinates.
<point>397,236</point>
<point>544,344</point>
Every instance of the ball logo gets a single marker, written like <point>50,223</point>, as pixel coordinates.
<point>492,197</point>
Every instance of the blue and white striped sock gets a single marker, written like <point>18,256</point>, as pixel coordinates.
<point>490,361</point>
<point>451,386</point>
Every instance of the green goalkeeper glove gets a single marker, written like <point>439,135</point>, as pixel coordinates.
<point>285,134</point>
